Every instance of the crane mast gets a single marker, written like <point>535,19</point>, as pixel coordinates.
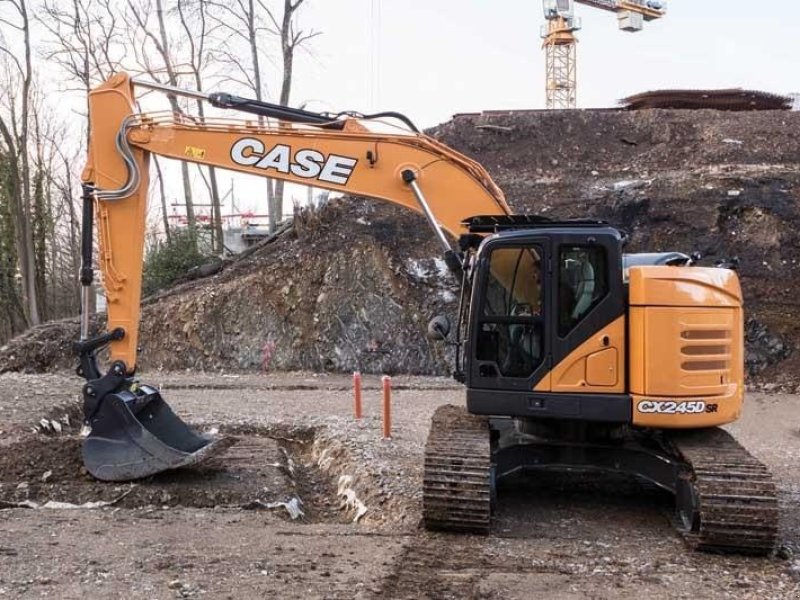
<point>560,41</point>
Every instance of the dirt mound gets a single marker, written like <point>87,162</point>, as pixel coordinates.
<point>350,286</point>
<point>353,285</point>
<point>724,184</point>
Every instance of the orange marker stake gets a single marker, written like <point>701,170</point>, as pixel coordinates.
<point>387,407</point>
<point>357,394</point>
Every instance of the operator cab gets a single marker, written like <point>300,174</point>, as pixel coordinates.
<point>541,293</point>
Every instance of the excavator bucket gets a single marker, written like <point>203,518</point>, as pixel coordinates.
<point>135,434</point>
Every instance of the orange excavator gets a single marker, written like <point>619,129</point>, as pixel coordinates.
<point>574,354</point>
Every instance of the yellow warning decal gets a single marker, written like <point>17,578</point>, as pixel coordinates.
<point>194,152</point>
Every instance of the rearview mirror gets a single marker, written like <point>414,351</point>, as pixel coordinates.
<point>438,328</point>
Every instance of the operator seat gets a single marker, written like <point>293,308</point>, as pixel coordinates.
<point>584,291</point>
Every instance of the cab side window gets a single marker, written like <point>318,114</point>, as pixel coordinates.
<point>582,283</point>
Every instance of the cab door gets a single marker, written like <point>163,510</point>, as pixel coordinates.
<point>509,346</point>
<point>588,321</point>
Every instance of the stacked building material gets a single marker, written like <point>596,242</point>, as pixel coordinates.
<point>732,99</point>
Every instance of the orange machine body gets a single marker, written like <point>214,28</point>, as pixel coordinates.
<point>686,346</point>
<point>678,352</point>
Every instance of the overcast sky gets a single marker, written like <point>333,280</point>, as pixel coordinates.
<point>433,58</point>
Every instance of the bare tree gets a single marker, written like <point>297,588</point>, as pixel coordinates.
<point>64,185</point>
<point>167,70</point>
<point>193,17</point>
<point>246,22</point>
<point>14,131</point>
<point>292,38</point>
<point>56,229</point>
<point>163,196</point>
<point>12,309</point>
<point>84,38</point>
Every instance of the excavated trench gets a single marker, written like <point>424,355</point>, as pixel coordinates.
<point>266,469</point>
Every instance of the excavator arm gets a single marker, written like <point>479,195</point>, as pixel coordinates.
<point>134,433</point>
<point>403,167</point>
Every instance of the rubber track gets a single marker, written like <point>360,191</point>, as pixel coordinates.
<point>456,492</point>
<point>738,504</point>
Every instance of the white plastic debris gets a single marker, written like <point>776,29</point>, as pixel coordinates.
<point>52,425</point>
<point>629,183</point>
<point>349,498</point>
<point>293,506</point>
<point>325,460</point>
<point>441,268</point>
<point>53,505</point>
<point>290,466</point>
<point>417,269</point>
<point>732,141</point>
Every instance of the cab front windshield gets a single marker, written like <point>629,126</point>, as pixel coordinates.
<point>510,329</point>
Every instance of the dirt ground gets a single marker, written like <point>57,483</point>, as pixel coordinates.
<point>223,530</point>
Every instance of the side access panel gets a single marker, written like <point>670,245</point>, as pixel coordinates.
<point>596,366</point>
<point>686,346</point>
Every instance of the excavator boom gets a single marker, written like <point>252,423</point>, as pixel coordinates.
<point>349,158</point>
<point>135,434</point>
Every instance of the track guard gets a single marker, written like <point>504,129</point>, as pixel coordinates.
<point>133,431</point>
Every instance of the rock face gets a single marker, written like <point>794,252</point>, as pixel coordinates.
<point>353,285</point>
<point>350,287</point>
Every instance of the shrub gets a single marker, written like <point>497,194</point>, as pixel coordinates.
<point>172,260</point>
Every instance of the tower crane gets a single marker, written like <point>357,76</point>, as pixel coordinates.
<point>560,41</point>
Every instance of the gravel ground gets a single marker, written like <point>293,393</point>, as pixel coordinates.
<point>207,532</point>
